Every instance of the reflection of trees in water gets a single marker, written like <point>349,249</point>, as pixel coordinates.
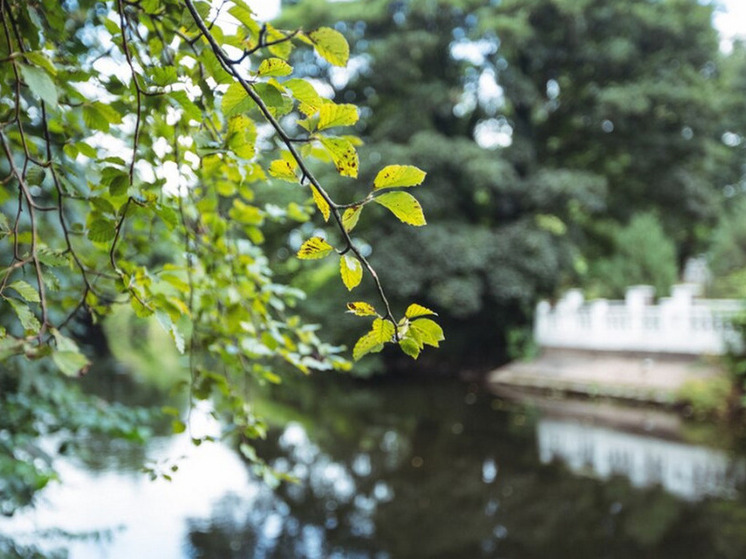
<point>415,471</point>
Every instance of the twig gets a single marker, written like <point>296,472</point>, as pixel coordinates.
<point>225,61</point>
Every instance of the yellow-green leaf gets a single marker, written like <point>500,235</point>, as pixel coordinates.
<point>246,213</point>
<point>25,290</point>
<point>235,100</point>
<point>331,45</point>
<point>410,347</point>
<point>283,169</point>
<point>314,248</point>
<point>552,224</point>
<point>310,101</point>
<point>343,155</point>
<point>351,271</point>
<point>373,341</point>
<point>427,331</point>
<point>274,67</point>
<point>350,217</point>
<point>399,175</point>
<point>321,203</point>
<point>404,206</point>
<point>414,310</point>
<point>331,114</point>
<point>360,308</point>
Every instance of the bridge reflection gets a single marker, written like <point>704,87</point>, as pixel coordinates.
<point>687,471</point>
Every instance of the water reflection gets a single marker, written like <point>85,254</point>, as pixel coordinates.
<point>687,471</point>
<point>413,470</point>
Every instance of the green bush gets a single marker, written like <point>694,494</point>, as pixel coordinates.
<point>641,254</point>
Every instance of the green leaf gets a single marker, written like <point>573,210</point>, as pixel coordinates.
<point>373,341</point>
<point>351,271</point>
<point>343,155</point>
<point>399,175</point>
<point>26,291</point>
<point>274,67</point>
<point>10,347</point>
<point>70,363</point>
<point>410,347</point>
<point>404,206</point>
<point>40,84</point>
<point>350,217</point>
<point>37,58</point>
<point>25,315</point>
<point>427,331</point>
<point>119,185</point>
<point>272,97</point>
<point>283,169</point>
<point>314,248</point>
<point>235,100</point>
<point>361,308</point>
<point>35,176</point>
<point>414,310</point>
<point>101,231</point>
<point>321,203</point>
<point>246,213</point>
<point>331,114</point>
<point>331,45</point>
<point>163,75</point>
<point>310,101</point>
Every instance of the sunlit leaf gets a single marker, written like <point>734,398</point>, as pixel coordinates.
<point>283,169</point>
<point>314,248</point>
<point>414,310</point>
<point>361,308</point>
<point>372,342</point>
<point>399,175</point>
<point>350,217</point>
<point>235,100</point>
<point>343,155</point>
<point>321,203</point>
<point>331,114</point>
<point>310,101</point>
<point>410,347</point>
<point>331,45</point>
<point>404,206</point>
<point>351,271</point>
<point>427,331</point>
<point>274,67</point>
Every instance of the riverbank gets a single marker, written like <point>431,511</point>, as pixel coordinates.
<point>646,378</point>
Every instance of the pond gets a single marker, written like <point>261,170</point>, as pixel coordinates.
<point>414,468</point>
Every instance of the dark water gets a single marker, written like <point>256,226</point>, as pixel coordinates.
<point>415,469</point>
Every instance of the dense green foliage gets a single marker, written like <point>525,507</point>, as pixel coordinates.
<point>549,128</point>
<point>134,138</point>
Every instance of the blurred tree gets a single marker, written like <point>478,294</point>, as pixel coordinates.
<point>642,254</point>
<point>545,124</point>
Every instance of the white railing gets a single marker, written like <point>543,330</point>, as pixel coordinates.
<point>681,323</point>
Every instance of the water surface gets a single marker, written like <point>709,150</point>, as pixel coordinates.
<point>407,469</point>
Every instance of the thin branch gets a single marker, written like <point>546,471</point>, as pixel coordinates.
<point>228,65</point>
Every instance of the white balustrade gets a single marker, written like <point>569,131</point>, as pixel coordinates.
<point>682,323</point>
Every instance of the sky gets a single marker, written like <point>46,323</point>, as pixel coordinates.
<point>730,20</point>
